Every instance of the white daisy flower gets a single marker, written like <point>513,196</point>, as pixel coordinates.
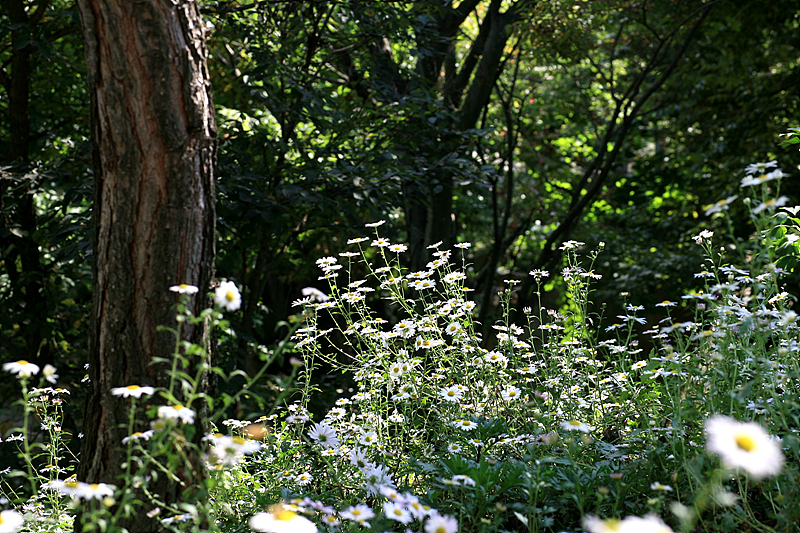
<point>315,294</point>
<point>721,205</point>
<point>574,425</point>
<point>495,357</point>
<point>331,521</point>
<point>326,261</point>
<point>396,370</point>
<point>369,438</point>
<point>358,513</point>
<point>304,479</point>
<point>452,394</point>
<point>441,523</point>
<point>325,435</point>
<point>771,204</point>
<point>49,373</point>
<point>227,296</point>
<point>465,425</point>
<point>281,519</point>
<point>22,368</point>
<point>464,480</point>
<point>744,445</point>
<point>453,328</point>
<point>67,487</point>
<point>10,521</point>
<point>760,168</point>
<point>173,412</point>
<point>228,451</point>
<point>397,512</point>
<point>132,390</point>
<point>183,288</point>
<point>510,394</point>
<point>94,491</point>
<point>143,435</point>
<point>631,524</point>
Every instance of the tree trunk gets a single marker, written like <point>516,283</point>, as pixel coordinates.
<point>433,219</point>
<point>154,142</point>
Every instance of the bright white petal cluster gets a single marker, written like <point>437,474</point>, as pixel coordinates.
<point>574,425</point>
<point>397,512</point>
<point>227,296</point>
<point>630,524</point>
<point>325,435</point>
<point>721,206</point>
<point>228,451</point>
<point>760,168</point>
<point>315,294</point>
<point>174,412</point>
<point>81,490</point>
<point>358,513</point>
<point>139,435</point>
<point>49,373</point>
<point>744,445</point>
<point>132,390</point>
<point>183,288</point>
<point>771,205</point>
<point>511,393</point>
<point>23,369</point>
<point>441,524</point>
<point>750,180</point>
<point>10,521</point>
<point>280,519</point>
<point>452,394</point>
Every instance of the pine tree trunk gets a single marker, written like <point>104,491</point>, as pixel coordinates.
<point>154,141</point>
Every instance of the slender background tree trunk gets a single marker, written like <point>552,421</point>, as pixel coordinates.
<point>154,140</point>
<point>16,202</point>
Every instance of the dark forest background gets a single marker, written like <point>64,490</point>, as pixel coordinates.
<point>512,125</point>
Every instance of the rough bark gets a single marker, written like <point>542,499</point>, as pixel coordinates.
<point>154,140</point>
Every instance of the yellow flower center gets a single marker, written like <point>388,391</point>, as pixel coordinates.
<point>132,387</point>
<point>229,296</point>
<point>22,362</point>
<point>279,512</point>
<point>177,407</point>
<point>745,442</point>
<point>72,484</point>
<point>95,486</point>
<point>183,285</point>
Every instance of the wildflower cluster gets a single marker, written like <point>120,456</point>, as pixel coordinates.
<point>545,420</point>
